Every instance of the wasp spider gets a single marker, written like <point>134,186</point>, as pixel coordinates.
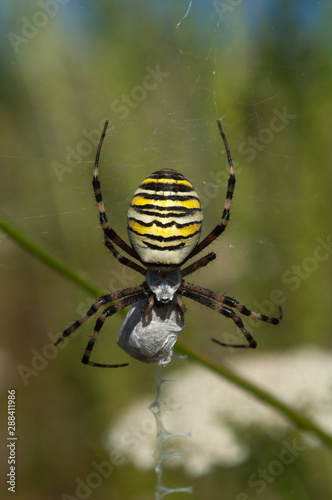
<point>164,225</point>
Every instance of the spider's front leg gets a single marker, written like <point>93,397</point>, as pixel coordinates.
<point>108,231</point>
<point>220,228</point>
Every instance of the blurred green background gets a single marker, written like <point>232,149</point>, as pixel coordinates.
<point>162,72</point>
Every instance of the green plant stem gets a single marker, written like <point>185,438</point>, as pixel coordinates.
<point>44,256</point>
<point>299,420</point>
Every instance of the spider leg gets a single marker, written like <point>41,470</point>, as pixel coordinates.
<point>225,311</point>
<point>229,301</point>
<point>220,228</point>
<point>198,264</point>
<point>105,299</point>
<point>123,260</point>
<point>100,322</point>
<point>215,301</point>
<point>109,232</point>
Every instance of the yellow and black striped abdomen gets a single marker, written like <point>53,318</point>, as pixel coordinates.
<point>164,219</point>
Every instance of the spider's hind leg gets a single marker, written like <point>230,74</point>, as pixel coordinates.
<point>239,323</point>
<point>127,301</point>
<point>219,302</point>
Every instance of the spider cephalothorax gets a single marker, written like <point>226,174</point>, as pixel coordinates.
<point>164,225</point>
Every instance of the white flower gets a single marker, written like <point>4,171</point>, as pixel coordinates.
<point>206,409</point>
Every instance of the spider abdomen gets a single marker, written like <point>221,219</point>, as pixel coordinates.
<point>164,219</point>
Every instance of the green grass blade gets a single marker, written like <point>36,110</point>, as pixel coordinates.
<point>48,259</point>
